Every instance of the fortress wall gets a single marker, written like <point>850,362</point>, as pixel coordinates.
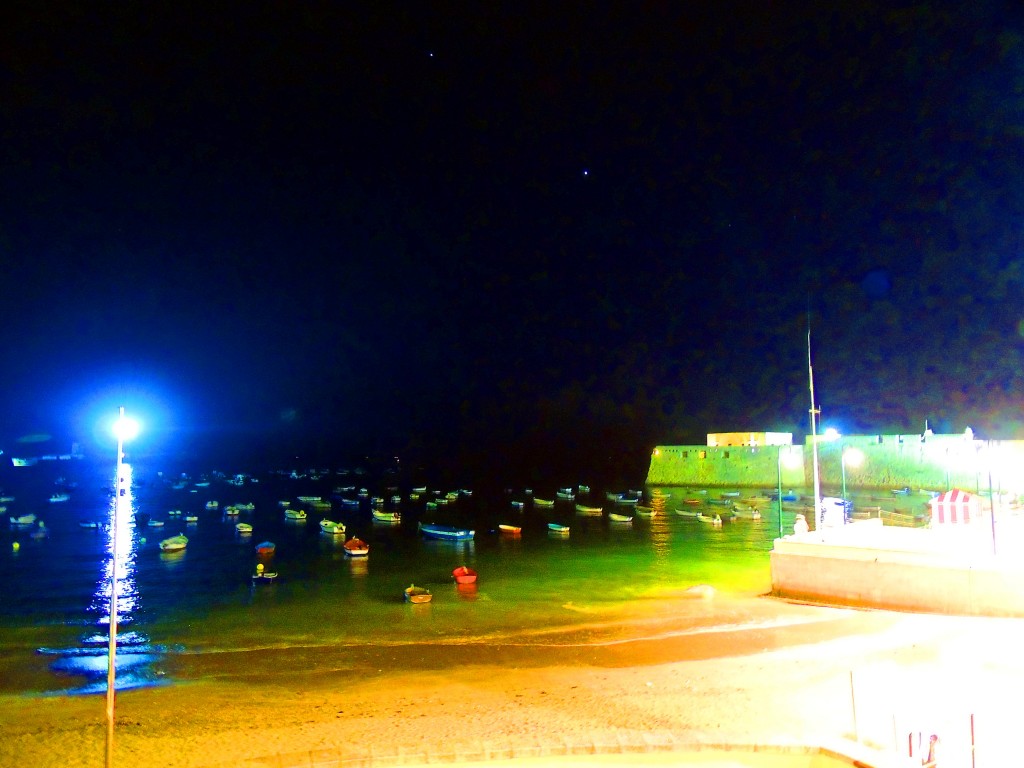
<point>937,462</point>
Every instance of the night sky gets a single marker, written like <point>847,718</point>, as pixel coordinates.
<point>497,232</point>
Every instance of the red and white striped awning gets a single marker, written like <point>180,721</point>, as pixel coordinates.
<point>955,507</point>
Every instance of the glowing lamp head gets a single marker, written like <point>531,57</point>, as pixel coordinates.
<point>125,428</point>
<point>831,434</point>
<point>853,457</point>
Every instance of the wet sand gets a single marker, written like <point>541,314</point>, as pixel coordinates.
<point>753,671</point>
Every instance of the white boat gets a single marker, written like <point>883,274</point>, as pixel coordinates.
<point>24,520</point>
<point>231,511</point>
<point>155,523</point>
<point>59,497</point>
<point>329,526</point>
<point>308,499</point>
<point>386,517</point>
<point>243,527</point>
<point>213,505</point>
<point>295,514</point>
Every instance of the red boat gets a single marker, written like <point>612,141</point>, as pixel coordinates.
<point>464,575</point>
<point>356,547</point>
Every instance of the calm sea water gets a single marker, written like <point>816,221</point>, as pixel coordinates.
<point>201,600</point>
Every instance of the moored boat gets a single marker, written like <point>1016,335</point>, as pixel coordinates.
<point>386,517</point>
<point>356,547</point>
<point>243,527</point>
<point>266,547</point>
<point>446,532</point>
<point>414,594</point>
<point>329,526</point>
<point>174,543</point>
<point>294,514</point>
<point>537,502</point>
<point>615,517</point>
<point>464,575</point>
<point>263,576</point>
<point>583,509</point>
<point>510,530</point>
<point>29,519</point>
<point>558,528</point>
<point>155,523</point>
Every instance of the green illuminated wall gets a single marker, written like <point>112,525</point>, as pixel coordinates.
<point>935,462</point>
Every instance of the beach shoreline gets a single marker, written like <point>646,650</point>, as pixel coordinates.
<point>779,676</point>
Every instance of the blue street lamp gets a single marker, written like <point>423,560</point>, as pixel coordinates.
<point>124,429</point>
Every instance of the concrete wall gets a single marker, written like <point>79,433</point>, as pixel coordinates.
<point>866,564</point>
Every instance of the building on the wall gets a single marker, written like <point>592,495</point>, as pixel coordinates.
<point>926,461</point>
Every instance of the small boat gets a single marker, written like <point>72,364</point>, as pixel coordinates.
<point>231,511</point>
<point>615,517</point>
<point>295,514</point>
<point>350,503</point>
<point>414,594</point>
<point>518,505</point>
<point>266,547</point>
<point>446,532</point>
<point>59,497</point>
<point>582,509</point>
<point>566,494</point>
<point>537,502</point>
<point>174,513</point>
<point>155,523</point>
<point>356,547</point>
<point>174,543</point>
<point>308,499</point>
<point>24,520</point>
<point>246,507</point>
<point>558,528</point>
<point>191,518</point>
<point>645,511</point>
<point>263,576</point>
<point>386,517</point>
<point>510,530</point>
<point>329,526</point>
<point>464,575</point>
<point>243,527</point>
<point>213,505</point>
<point>88,524</point>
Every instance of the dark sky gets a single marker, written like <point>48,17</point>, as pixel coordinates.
<point>509,229</point>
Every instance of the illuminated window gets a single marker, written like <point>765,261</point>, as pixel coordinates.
<point>703,454</point>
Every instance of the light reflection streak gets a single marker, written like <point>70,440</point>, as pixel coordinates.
<point>127,590</point>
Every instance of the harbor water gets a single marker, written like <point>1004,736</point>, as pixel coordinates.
<point>202,600</point>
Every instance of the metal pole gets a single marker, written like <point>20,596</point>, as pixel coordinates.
<point>112,643</point>
<point>779,462</point>
<point>814,436</point>
<point>842,464</point>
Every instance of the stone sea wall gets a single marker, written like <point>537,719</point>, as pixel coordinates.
<point>933,462</point>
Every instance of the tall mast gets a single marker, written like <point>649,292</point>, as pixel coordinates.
<point>814,432</point>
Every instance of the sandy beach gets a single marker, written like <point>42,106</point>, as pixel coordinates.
<point>757,671</point>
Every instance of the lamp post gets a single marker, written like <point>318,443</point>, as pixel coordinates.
<point>854,458</point>
<point>124,429</point>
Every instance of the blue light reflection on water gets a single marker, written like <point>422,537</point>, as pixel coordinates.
<point>203,596</point>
